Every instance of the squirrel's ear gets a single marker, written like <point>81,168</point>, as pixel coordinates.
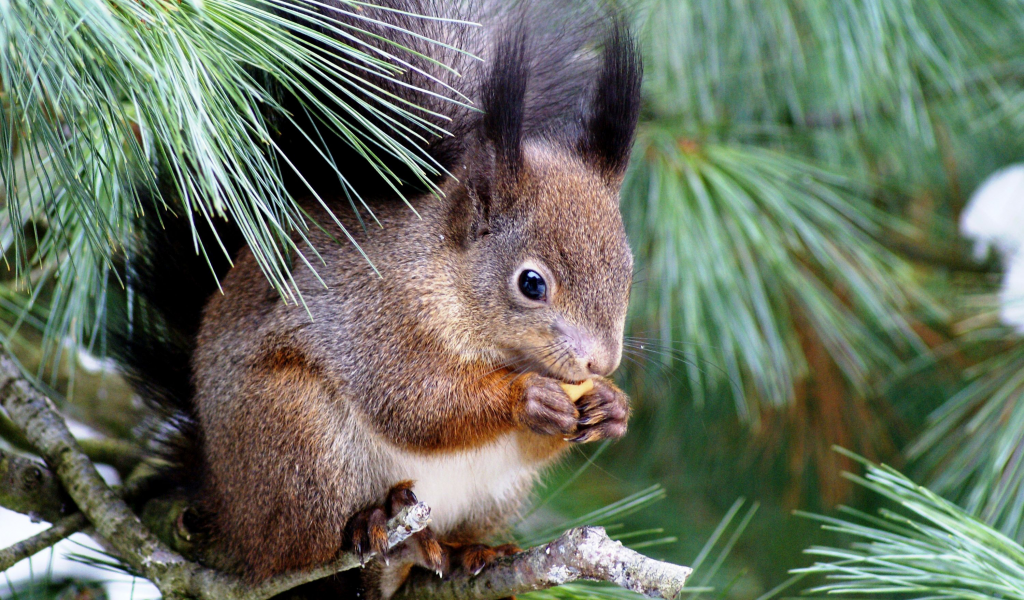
<point>610,124</point>
<point>503,100</point>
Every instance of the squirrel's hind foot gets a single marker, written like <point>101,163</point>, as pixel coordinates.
<point>367,532</point>
<point>474,557</point>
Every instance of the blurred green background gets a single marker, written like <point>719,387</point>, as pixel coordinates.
<point>793,204</point>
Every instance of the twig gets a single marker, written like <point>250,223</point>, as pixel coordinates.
<point>42,540</point>
<point>583,553</point>
<point>64,524</point>
<point>120,454</point>
<point>12,435</point>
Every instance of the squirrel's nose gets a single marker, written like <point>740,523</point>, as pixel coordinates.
<point>602,357</point>
<point>602,363</point>
<point>598,368</point>
<point>594,355</point>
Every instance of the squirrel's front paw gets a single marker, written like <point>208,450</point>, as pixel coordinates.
<point>548,409</point>
<point>604,412</point>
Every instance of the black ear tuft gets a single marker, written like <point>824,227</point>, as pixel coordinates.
<point>615,108</point>
<point>504,98</point>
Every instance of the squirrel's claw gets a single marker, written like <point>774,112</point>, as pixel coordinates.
<point>548,410</point>
<point>604,413</point>
<point>474,557</point>
<point>368,533</point>
<point>434,556</point>
<point>367,530</point>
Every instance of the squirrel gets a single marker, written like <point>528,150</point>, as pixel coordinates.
<point>431,367</point>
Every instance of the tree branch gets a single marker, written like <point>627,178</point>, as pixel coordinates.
<point>583,553</point>
<point>120,454</point>
<point>42,540</point>
<point>46,431</point>
<point>46,501</point>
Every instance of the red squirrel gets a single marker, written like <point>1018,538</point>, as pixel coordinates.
<point>431,367</point>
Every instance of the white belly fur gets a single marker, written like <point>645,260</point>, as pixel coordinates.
<point>459,485</point>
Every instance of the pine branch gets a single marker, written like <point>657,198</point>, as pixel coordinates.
<point>45,430</point>
<point>120,454</point>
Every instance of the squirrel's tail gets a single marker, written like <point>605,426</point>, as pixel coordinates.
<point>152,333</point>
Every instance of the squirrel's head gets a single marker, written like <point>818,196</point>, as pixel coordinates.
<point>536,215</point>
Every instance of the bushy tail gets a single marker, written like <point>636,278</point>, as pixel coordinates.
<point>153,333</point>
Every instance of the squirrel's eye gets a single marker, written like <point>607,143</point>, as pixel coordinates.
<point>532,285</point>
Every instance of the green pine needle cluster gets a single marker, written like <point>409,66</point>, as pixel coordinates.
<point>973,449</point>
<point>744,245</point>
<point>104,97</point>
<point>927,547</point>
<point>781,143</point>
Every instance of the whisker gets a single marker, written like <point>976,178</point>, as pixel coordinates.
<point>662,369</point>
<point>662,342</point>
<point>690,358</point>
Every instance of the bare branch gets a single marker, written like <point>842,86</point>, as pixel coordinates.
<point>12,435</point>
<point>120,454</point>
<point>65,523</point>
<point>583,553</point>
<point>41,541</point>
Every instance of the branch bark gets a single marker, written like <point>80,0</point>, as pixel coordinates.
<point>120,454</point>
<point>61,529</point>
<point>46,431</point>
<point>585,553</point>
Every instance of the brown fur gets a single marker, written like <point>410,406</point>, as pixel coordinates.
<point>301,406</point>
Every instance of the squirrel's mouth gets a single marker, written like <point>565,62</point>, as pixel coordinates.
<point>561,367</point>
